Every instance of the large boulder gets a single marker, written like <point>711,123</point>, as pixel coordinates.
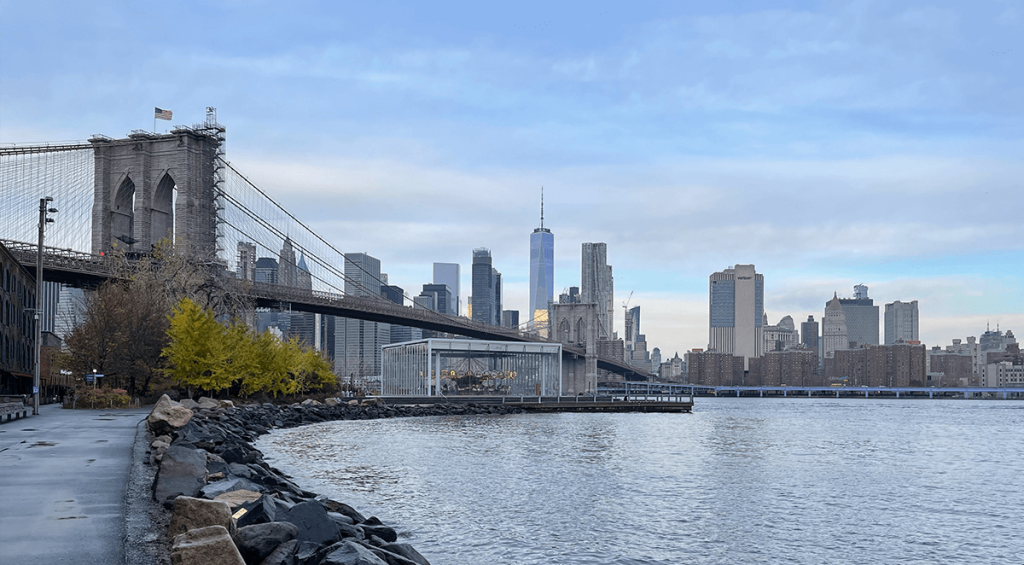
<point>189,403</point>
<point>205,546</point>
<point>349,553</point>
<point>193,513</point>
<point>285,554</point>
<point>182,472</point>
<point>258,541</point>
<point>313,522</point>
<point>236,498</point>
<point>213,490</point>
<point>209,403</point>
<point>167,416</point>
<point>407,551</point>
<point>262,510</point>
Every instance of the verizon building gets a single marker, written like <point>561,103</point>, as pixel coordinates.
<point>737,311</point>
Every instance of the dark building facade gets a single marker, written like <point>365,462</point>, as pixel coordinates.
<point>897,365</point>
<point>441,294</point>
<point>956,369</point>
<point>714,369</point>
<point>17,326</point>
<point>809,334</point>
<point>791,367</point>
<point>486,289</point>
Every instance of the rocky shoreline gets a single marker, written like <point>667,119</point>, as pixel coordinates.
<point>224,504</point>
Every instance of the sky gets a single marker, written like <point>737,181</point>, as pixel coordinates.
<point>827,143</point>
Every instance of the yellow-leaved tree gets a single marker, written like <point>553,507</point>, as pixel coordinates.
<point>196,353</point>
<point>211,356</point>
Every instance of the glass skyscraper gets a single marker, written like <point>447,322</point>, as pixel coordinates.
<point>542,272</point>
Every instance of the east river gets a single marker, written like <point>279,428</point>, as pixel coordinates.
<point>738,481</point>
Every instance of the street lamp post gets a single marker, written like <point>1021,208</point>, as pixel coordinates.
<point>43,220</point>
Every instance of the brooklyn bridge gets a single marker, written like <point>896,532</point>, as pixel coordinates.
<point>130,193</point>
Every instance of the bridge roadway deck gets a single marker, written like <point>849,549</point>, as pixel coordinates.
<point>84,269</point>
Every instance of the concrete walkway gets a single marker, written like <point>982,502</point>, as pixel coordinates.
<point>62,485</point>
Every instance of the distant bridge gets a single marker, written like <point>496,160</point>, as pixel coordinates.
<point>131,193</point>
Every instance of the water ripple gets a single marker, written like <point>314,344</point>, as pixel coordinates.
<point>803,481</point>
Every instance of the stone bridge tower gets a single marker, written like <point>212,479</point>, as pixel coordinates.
<point>149,187</point>
<point>577,325</point>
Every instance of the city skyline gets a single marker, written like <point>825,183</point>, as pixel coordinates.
<point>828,145</point>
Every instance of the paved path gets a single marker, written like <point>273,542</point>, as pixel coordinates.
<point>62,485</point>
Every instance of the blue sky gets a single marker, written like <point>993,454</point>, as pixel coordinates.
<point>828,143</point>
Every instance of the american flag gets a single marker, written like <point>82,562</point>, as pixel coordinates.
<point>162,114</point>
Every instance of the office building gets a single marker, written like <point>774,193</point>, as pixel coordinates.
<point>302,325</point>
<point>486,297</point>
<point>737,312</point>
<point>542,274</point>
<point>861,318</point>
<point>510,319</point>
<point>265,270</point>
<point>570,297</point>
<point>358,342</point>
<point>287,268</point>
<point>632,328</point>
<point>901,322</point>
<point>440,296</point>
<point>70,311</point>
<point>597,286</point>
<point>781,336</point>
<point>449,274</point>
<point>246,261</point>
<point>809,334</point>
<point>833,328</point>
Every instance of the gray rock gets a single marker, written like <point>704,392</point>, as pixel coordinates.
<point>213,490</point>
<point>283,555</point>
<point>407,551</point>
<point>190,404</point>
<point>207,402</point>
<point>350,553</point>
<point>182,473</point>
<point>389,535</point>
<point>240,470</point>
<point>313,522</point>
<point>205,546</point>
<point>167,416</point>
<point>341,518</point>
<point>265,509</point>
<point>258,541</point>
<point>306,551</point>
<point>192,513</point>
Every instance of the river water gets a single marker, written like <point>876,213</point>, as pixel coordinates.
<point>738,481</point>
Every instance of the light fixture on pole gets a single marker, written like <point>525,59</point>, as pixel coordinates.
<point>43,220</point>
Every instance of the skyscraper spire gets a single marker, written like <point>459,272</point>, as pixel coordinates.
<point>542,207</point>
